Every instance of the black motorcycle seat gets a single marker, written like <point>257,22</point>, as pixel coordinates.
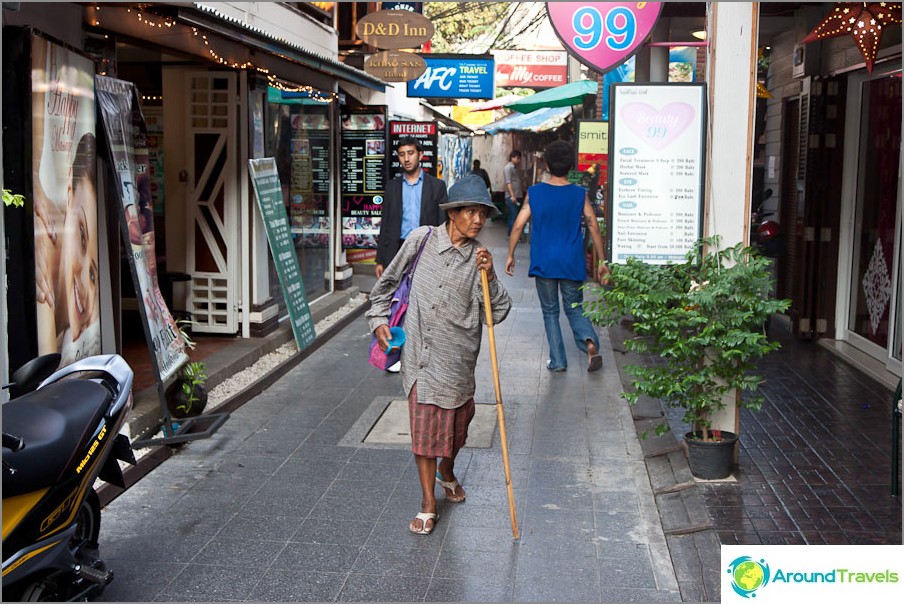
<point>56,423</point>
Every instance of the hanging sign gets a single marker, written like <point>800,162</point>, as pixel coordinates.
<point>390,29</point>
<point>268,192</point>
<point>603,34</point>
<point>395,66</point>
<point>424,132</point>
<point>455,77</point>
<point>531,68</point>
<point>656,170</point>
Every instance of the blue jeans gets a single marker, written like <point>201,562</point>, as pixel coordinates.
<point>511,211</point>
<point>581,327</point>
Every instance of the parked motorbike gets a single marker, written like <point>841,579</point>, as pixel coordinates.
<point>765,234</point>
<point>60,434</point>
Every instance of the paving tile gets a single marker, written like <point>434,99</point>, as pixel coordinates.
<point>318,530</point>
<point>467,590</point>
<point>373,588</point>
<point>288,585</point>
<point>323,557</point>
<point>256,526</point>
<point>201,582</point>
<point>475,566</point>
<point>244,552</point>
<point>396,561</point>
<point>557,580</point>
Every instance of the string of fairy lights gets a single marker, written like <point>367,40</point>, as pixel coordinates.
<point>151,20</point>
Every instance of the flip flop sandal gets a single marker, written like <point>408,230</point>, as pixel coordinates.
<point>595,363</point>
<point>452,485</point>
<point>423,517</point>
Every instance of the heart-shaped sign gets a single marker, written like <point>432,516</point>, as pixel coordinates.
<point>602,35</point>
<point>657,127</point>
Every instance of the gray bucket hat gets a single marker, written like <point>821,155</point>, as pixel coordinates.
<point>470,191</point>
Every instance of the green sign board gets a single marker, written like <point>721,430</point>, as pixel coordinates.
<point>268,191</point>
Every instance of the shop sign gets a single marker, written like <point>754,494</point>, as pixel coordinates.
<point>458,77</point>
<point>593,145</point>
<point>395,66</point>
<point>391,29</point>
<point>415,7</point>
<point>363,174</point>
<point>602,35</point>
<point>268,192</point>
<point>656,170</point>
<point>531,68</point>
<point>424,132</point>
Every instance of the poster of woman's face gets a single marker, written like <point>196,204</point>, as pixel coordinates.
<point>65,202</point>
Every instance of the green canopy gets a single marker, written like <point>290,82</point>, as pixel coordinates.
<point>565,95</point>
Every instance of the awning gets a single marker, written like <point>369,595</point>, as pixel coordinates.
<point>495,103</point>
<point>541,120</point>
<point>445,122</point>
<point>565,95</point>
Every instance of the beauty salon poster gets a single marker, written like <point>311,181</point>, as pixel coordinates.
<point>64,173</point>
<point>127,134</point>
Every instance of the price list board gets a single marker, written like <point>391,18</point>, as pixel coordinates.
<point>268,192</point>
<point>656,171</point>
<point>363,168</point>
<point>424,132</point>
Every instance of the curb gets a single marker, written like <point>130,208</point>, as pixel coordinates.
<point>693,543</point>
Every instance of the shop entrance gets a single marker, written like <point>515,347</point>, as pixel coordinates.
<point>872,286</point>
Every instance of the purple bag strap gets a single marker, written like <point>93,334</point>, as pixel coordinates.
<point>410,272</point>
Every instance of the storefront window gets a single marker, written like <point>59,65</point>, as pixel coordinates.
<point>874,279</point>
<point>298,136</point>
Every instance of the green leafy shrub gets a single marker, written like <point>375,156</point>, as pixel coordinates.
<point>705,318</point>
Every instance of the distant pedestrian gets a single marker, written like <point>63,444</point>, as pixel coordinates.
<point>412,199</point>
<point>443,327</point>
<point>557,260</point>
<point>482,174</point>
<point>514,188</point>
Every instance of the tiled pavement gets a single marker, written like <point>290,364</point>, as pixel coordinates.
<point>273,507</point>
<point>276,506</point>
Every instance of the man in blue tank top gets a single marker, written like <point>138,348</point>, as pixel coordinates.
<point>557,255</point>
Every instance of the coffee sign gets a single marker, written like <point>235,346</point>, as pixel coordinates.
<point>393,29</point>
<point>395,66</point>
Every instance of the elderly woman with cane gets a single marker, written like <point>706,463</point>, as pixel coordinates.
<point>443,328</point>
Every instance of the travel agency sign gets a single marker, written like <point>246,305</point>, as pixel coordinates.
<point>603,34</point>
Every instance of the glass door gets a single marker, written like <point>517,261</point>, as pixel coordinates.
<point>873,320</point>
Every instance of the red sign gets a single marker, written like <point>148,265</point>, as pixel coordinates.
<point>531,68</point>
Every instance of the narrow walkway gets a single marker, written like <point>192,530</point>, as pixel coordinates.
<point>279,506</point>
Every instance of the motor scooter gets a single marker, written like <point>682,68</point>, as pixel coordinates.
<point>59,437</point>
<point>765,234</point>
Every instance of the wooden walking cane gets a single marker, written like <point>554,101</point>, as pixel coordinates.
<point>484,281</point>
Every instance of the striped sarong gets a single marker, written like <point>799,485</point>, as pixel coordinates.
<point>438,432</point>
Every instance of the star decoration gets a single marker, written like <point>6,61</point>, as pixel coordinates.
<point>864,21</point>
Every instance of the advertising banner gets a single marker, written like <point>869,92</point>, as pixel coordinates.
<point>127,135</point>
<point>64,173</point>
<point>268,192</point>
<point>309,181</point>
<point>531,68</point>
<point>363,165</point>
<point>455,77</point>
<point>603,34</point>
<point>424,132</point>
<point>593,147</point>
<point>656,170</point>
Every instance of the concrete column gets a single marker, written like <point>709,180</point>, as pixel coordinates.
<point>659,55</point>
<point>731,81</point>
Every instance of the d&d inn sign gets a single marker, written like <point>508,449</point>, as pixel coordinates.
<point>393,29</point>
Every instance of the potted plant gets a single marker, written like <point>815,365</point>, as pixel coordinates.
<point>705,319</point>
<point>187,395</point>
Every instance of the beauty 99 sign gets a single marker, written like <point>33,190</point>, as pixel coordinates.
<point>603,34</point>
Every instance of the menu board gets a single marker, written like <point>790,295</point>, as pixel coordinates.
<point>424,133</point>
<point>310,178</point>
<point>268,191</point>
<point>363,157</point>
<point>656,170</point>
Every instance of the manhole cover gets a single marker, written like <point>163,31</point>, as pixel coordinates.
<point>393,427</point>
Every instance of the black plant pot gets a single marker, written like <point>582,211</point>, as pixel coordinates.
<point>710,460</point>
<point>178,402</point>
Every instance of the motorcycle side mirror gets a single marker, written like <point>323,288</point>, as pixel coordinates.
<point>767,194</point>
